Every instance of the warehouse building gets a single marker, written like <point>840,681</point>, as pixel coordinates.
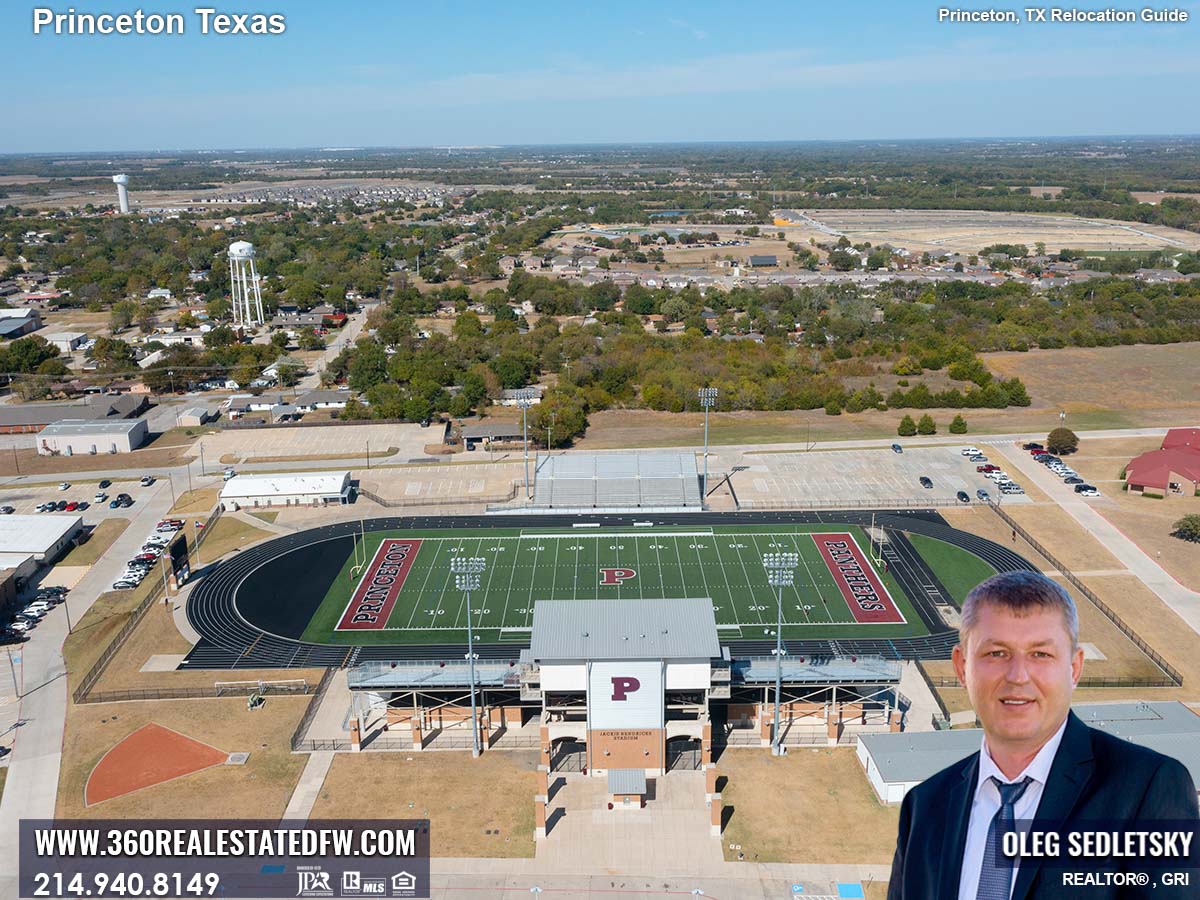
<point>294,489</point>
<point>18,418</point>
<point>41,539</point>
<point>75,437</point>
<point>897,763</point>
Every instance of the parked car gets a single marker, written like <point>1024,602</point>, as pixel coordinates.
<point>82,505</point>
<point>1090,492</point>
<point>124,584</point>
<point>990,467</point>
<point>971,451</point>
<point>229,473</point>
<point>979,458</point>
<point>114,504</point>
<point>72,506</point>
<point>1073,479</point>
<point>100,497</point>
<point>1011,488</point>
<point>7,510</point>
<point>123,497</point>
<point>146,480</point>
<point>926,482</point>
<point>963,497</point>
<point>61,505</point>
<point>983,495</point>
<point>1032,445</point>
<point>65,486</point>
<point>896,448</point>
<point>174,523</point>
<point>104,483</point>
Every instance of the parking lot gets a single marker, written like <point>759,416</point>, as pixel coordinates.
<point>330,441</point>
<point>870,476</point>
<point>25,499</point>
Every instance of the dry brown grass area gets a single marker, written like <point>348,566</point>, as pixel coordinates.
<point>1136,379</point>
<point>98,541</point>
<point>1136,604</point>
<point>462,797</point>
<point>28,462</point>
<point>782,808</point>
<point>197,502</point>
<point>1054,528</point>
<point>156,634</point>
<point>259,789</point>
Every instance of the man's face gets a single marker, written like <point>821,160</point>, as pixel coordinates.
<point>1019,672</point>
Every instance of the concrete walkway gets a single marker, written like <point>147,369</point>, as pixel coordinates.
<point>308,788</point>
<point>1186,603</point>
<point>32,786</point>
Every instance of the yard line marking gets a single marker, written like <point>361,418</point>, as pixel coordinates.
<point>725,576</point>
<point>432,565</point>
<point>811,578</point>
<point>486,590</point>
<point>638,556</point>
<point>532,579</point>
<point>512,572</point>
<point>749,585</point>
<point>683,585</point>
<point>554,580</point>
<point>575,579</point>
<point>662,582</point>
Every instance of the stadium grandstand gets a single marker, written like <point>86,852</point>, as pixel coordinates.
<point>617,482</point>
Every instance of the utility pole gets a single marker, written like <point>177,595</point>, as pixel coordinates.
<point>525,400</point>
<point>13,669</point>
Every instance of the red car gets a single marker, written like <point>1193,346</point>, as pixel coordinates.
<point>72,506</point>
<point>146,557</point>
<point>990,467</point>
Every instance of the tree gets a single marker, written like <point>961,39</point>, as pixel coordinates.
<point>833,407</point>
<point>1062,440</point>
<point>279,340</point>
<point>907,427</point>
<point>1188,528</point>
<point>925,425</point>
<point>121,316</point>
<point>958,426</point>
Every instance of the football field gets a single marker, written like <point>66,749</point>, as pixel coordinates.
<point>397,587</point>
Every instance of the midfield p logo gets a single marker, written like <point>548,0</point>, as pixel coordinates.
<point>616,577</point>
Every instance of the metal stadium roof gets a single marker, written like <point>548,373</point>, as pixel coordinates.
<point>617,480</point>
<point>624,629</point>
<point>1167,727</point>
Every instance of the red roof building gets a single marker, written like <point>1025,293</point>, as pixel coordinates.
<point>1173,469</point>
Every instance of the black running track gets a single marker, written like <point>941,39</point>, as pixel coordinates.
<point>245,583</point>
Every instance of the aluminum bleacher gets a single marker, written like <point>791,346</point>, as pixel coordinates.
<point>617,481</point>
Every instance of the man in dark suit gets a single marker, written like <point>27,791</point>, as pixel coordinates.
<point>1019,659</point>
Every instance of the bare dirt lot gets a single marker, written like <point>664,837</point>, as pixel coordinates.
<point>968,231</point>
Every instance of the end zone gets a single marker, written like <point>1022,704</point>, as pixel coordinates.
<point>865,594</point>
<point>373,599</point>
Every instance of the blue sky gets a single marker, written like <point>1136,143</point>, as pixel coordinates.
<point>394,73</point>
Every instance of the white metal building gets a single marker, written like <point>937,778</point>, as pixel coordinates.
<point>43,537</point>
<point>66,341</point>
<point>293,489</point>
<point>73,437</point>
<point>897,763</point>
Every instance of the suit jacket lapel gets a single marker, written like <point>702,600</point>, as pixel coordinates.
<point>958,815</point>
<point>1070,772</point>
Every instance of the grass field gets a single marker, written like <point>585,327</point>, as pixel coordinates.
<point>957,569</point>
<point>724,564</point>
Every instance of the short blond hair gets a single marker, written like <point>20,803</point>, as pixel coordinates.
<point>1021,593</point>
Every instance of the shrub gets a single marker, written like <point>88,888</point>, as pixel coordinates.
<point>926,425</point>
<point>907,427</point>
<point>958,425</point>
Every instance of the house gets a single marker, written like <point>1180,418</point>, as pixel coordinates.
<point>1172,469</point>
<point>321,400</point>
<point>763,261</point>
<point>507,264</point>
<point>159,294</point>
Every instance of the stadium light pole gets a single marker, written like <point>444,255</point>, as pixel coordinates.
<point>781,571</point>
<point>525,400</point>
<point>708,397</point>
<point>467,571</point>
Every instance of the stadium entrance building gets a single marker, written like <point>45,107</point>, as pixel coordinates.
<point>616,686</point>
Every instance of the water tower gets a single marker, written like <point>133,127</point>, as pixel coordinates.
<point>122,192</point>
<point>243,286</point>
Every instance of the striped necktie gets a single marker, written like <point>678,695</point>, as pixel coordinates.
<point>995,876</point>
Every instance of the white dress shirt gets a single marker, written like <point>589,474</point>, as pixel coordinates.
<point>987,803</point>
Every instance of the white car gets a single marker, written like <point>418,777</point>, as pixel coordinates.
<point>65,486</point>
<point>100,497</point>
<point>1090,492</point>
<point>972,451</point>
<point>998,476</point>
